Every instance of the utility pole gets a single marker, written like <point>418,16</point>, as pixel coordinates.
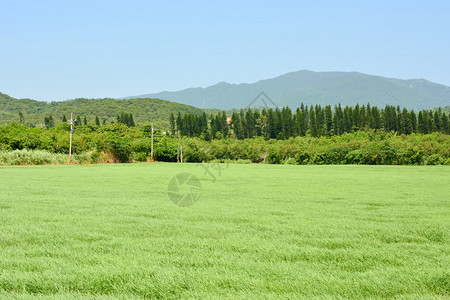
<point>151,155</point>
<point>181,147</point>
<point>71,132</point>
<point>178,148</point>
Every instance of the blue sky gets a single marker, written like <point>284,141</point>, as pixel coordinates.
<point>58,50</point>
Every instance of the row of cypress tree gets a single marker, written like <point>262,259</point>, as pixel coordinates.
<point>123,118</point>
<point>315,121</point>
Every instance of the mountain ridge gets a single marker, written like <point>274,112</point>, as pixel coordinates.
<point>293,88</point>
<point>144,110</point>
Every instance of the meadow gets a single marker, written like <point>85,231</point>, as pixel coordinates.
<point>256,231</point>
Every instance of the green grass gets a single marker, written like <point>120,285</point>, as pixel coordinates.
<point>258,231</point>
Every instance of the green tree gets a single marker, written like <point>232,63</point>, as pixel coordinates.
<point>356,118</point>
<point>445,124</point>
<point>249,124</point>
<point>131,121</point>
<point>328,119</point>
<point>312,122</point>
<point>179,123</point>
<point>376,118</point>
<point>49,122</point>
<point>21,118</point>
<point>172,124</point>
<point>413,119</point>
<point>422,126</point>
<point>436,121</point>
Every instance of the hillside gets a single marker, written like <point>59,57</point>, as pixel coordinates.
<point>144,110</point>
<point>347,88</point>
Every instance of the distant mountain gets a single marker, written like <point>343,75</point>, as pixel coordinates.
<point>143,110</point>
<point>347,88</point>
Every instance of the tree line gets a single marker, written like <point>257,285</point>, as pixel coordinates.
<point>122,118</point>
<point>314,121</point>
<point>120,143</point>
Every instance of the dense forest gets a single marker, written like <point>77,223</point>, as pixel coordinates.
<point>315,121</point>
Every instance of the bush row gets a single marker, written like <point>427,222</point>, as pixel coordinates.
<point>118,143</point>
<point>40,157</point>
<point>355,148</point>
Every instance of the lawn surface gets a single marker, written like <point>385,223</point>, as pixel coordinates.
<point>257,231</point>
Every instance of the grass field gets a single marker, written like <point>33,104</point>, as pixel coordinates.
<point>257,231</point>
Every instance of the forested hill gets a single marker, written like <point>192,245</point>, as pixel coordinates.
<point>291,89</point>
<point>143,110</point>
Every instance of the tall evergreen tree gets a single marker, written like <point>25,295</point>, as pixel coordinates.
<point>259,123</point>
<point>203,123</point>
<point>21,118</point>
<point>225,129</point>
<point>347,120</point>
<point>398,118</point>
<point>328,119</point>
<point>320,120</point>
<point>179,123</point>
<point>271,126</point>
<point>445,126</point>
<point>376,118</point>
<point>249,123</point>
<point>286,123</point>
<point>421,126</point>
<point>413,119</point>
<point>436,121</point>
<point>312,122</point>
<point>356,118</point>
<point>49,122</point>
<point>172,123</point>
<point>362,117</point>
<point>369,117</point>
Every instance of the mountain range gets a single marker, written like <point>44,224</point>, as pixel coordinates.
<point>291,89</point>
<point>287,90</point>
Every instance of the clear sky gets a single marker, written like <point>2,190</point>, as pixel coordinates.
<point>58,50</point>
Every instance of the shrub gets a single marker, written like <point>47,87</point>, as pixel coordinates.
<point>95,157</point>
<point>194,151</point>
<point>31,157</point>
<point>139,156</point>
<point>336,155</point>
<point>354,157</point>
<point>303,157</point>
<point>290,161</point>
<point>434,159</point>
<point>121,151</point>
<point>274,155</point>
